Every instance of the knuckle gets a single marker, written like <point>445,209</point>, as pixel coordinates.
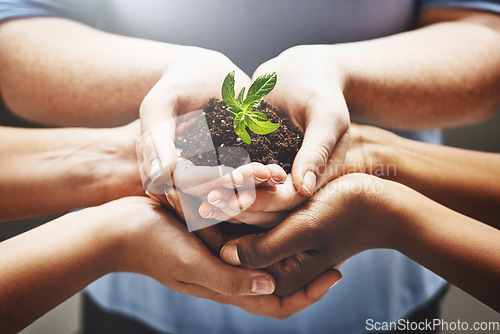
<point>231,286</point>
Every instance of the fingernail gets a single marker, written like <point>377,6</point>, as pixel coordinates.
<point>309,183</point>
<point>262,285</point>
<point>214,202</point>
<point>209,214</point>
<point>260,180</point>
<point>234,206</point>
<point>280,182</point>
<point>335,283</point>
<point>229,253</point>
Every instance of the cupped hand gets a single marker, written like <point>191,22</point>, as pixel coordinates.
<point>371,151</point>
<point>154,242</point>
<point>309,90</point>
<point>341,220</point>
<point>189,81</point>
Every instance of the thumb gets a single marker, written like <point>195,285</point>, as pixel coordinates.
<point>265,249</point>
<point>327,120</point>
<point>156,151</point>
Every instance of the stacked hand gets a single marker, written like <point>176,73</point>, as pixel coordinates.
<point>154,242</point>
<point>310,92</point>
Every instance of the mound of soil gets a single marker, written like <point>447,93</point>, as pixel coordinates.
<point>279,147</point>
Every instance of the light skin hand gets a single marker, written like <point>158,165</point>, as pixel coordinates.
<point>309,90</point>
<point>186,85</point>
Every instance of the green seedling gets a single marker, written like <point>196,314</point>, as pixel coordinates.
<point>241,108</point>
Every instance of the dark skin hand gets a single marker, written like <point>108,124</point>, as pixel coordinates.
<point>357,212</point>
<point>291,275</point>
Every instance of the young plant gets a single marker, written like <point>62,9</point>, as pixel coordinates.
<point>242,108</point>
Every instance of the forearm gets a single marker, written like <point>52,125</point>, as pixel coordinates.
<point>53,170</point>
<point>444,74</point>
<point>60,72</point>
<point>45,266</point>
<point>462,250</point>
<point>463,180</point>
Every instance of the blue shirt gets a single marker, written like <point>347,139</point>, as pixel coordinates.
<point>382,285</point>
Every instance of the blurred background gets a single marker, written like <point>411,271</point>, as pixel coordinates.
<point>457,304</point>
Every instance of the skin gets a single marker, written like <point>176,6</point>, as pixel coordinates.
<point>117,72</point>
<point>404,81</point>
<point>463,180</point>
<point>77,167</point>
<point>133,234</point>
<point>357,212</point>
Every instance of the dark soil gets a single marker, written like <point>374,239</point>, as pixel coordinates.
<point>280,146</point>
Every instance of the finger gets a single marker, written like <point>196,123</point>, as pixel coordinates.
<point>158,152</point>
<point>271,305</point>
<point>278,174</point>
<point>312,292</point>
<point>336,163</point>
<point>290,237</point>
<point>212,273</point>
<point>279,198</point>
<point>254,173</point>
<point>261,219</point>
<point>199,180</point>
<point>328,120</point>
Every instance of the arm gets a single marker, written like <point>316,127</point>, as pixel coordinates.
<point>445,73</point>
<point>463,180</point>
<point>60,72</point>
<point>43,267</point>
<point>57,71</point>
<point>54,170</point>
<point>357,212</point>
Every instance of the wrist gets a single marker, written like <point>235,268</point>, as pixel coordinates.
<point>112,232</point>
<point>378,211</point>
<point>374,151</point>
<point>111,163</point>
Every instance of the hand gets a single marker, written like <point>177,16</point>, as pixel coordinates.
<point>215,237</point>
<point>309,90</point>
<point>153,242</point>
<point>187,85</point>
<point>192,183</point>
<point>371,150</point>
<point>346,217</point>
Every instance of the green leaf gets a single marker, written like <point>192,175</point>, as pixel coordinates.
<point>233,111</point>
<point>259,127</point>
<point>259,115</point>
<point>239,100</point>
<point>262,86</point>
<point>240,129</point>
<point>227,91</point>
<point>252,101</point>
